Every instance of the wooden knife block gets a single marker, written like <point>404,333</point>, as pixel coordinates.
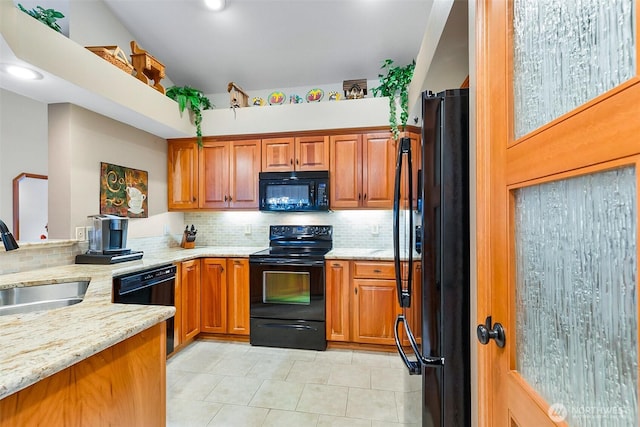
<point>187,245</point>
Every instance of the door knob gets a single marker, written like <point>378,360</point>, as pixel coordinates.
<point>486,333</point>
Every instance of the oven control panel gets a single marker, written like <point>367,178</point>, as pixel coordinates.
<point>318,232</point>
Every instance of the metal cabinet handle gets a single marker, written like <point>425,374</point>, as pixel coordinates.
<point>297,162</point>
<point>365,196</point>
<point>225,198</point>
<point>486,333</point>
<point>377,271</point>
<point>291,161</point>
<point>359,196</point>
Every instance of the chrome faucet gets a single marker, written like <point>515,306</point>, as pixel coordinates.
<point>7,238</point>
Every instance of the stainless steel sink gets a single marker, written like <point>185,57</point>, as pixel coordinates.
<point>41,297</point>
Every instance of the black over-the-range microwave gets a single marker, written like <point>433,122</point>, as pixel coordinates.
<point>294,191</point>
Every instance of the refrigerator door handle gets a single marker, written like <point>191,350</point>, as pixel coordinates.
<point>415,366</point>
<point>404,295</point>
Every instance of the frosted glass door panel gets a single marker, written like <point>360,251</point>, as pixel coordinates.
<point>576,288</point>
<point>567,53</point>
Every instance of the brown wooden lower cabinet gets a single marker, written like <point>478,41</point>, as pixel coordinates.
<point>238,296</point>
<point>362,303</point>
<point>225,296</point>
<point>338,291</point>
<point>190,299</point>
<point>124,385</point>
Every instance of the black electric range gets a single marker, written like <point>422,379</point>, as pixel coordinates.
<point>287,287</point>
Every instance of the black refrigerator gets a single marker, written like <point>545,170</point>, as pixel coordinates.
<point>438,218</point>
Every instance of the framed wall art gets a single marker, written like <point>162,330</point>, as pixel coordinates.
<point>123,191</point>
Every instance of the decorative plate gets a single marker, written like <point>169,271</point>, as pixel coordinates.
<point>334,96</point>
<point>315,95</point>
<point>277,98</point>
<point>257,101</point>
<point>295,99</point>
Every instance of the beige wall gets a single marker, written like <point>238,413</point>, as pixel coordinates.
<point>78,141</point>
<point>23,145</point>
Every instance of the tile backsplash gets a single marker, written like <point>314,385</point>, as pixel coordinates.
<point>371,229</point>
<point>351,229</point>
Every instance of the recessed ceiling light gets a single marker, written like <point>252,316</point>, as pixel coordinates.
<point>215,5</point>
<point>21,72</point>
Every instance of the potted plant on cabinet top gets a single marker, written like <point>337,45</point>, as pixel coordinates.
<point>194,100</point>
<point>392,85</point>
<point>46,16</point>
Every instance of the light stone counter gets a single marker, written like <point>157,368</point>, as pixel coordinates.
<point>366,254</point>
<point>36,345</point>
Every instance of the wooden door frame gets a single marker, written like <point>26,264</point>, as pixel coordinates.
<point>486,187</point>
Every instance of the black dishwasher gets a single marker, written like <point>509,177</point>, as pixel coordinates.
<point>155,286</point>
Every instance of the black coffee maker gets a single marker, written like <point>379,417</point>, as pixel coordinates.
<point>108,241</point>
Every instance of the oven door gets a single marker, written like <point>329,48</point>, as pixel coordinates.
<point>284,288</point>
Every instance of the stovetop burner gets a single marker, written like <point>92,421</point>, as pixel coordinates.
<point>297,241</point>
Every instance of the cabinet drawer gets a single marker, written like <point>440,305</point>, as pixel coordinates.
<point>382,270</point>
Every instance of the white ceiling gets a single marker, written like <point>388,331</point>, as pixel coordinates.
<point>271,44</point>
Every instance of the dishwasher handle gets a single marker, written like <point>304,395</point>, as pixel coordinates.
<point>138,286</point>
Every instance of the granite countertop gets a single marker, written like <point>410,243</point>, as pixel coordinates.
<point>36,345</point>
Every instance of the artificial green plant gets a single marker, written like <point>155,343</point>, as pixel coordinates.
<point>194,100</point>
<point>46,16</point>
<point>392,85</point>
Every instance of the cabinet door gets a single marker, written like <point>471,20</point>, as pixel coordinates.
<point>214,295</point>
<point>244,167</point>
<point>238,296</point>
<point>312,153</point>
<point>182,156</point>
<point>190,283</point>
<point>277,154</point>
<point>338,296</point>
<point>378,170</point>
<point>375,310</point>
<point>214,175</point>
<point>177,318</point>
<point>345,171</point>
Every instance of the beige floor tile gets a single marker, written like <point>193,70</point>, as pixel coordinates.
<point>350,376</point>
<point>234,390</point>
<point>193,386</point>
<point>390,424</point>
<point>284,353</point>
<point>309,372</point>
<point>192,413</point>
<point>221,383</point>
<point>392,379</point>
<point>409,406</point>
<point>323,399</point>
<point>277,394</point>
<point>239,416</point>
<point>370,358</point>
<point>236,366</point>
<point>277,418</point>
<point>335,356</point>
<point>275,368</point>
<point>331,421</point>
<point>372,404</point>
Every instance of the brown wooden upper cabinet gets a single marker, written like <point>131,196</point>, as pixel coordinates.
<point>305,153</point>
<point>362,168</point>
<point>182,174</point>
<point>228,174</point>
<point>221,174</point>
